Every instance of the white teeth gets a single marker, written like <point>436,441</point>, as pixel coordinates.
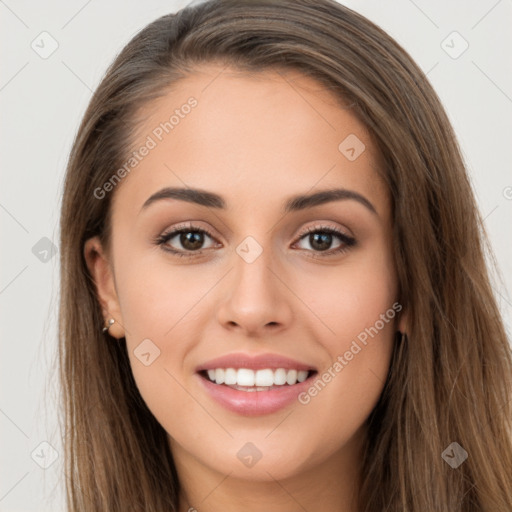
<point>230,377</point>
<point>291,378</point>
<point>244,377</point>
<point>219,376</point>
<point>302,375</point>
<point>280,376</point>
<point>265,378</point>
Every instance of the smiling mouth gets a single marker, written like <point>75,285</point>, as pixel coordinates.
<point>245,379</point>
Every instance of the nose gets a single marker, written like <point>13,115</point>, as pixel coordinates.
<point>255,298</point>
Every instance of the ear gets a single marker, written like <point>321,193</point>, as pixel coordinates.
<point>101,271</point>
<point>403,321</point>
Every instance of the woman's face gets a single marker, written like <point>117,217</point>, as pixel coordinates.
<point>269,285</point>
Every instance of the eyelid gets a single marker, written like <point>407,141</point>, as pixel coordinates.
<point>190,225</point>
<point>324,227</point>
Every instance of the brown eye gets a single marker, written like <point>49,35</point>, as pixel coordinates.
<point>191,240</point>
<point>321,239</point>
<point>184,240</point>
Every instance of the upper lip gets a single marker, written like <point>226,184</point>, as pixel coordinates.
<point>254,362</point>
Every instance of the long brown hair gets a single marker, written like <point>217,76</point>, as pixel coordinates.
<point>450,378</point>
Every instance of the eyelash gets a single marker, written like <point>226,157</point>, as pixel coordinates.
<point>348,241</point>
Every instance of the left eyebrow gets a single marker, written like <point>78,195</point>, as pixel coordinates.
<point>294,203</point>
<point>302,202</point>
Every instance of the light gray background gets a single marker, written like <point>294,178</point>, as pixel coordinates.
<point>42,101</point>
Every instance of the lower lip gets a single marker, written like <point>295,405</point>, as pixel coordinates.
<point>255,403</point>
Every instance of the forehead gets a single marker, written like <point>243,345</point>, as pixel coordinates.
<point>255,136</point>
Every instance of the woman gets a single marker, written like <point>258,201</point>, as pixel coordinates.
<point>274,292</point>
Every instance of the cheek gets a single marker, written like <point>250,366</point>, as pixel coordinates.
<point>355,325</point>
<point>351,296</point>
<point>157,297</point>
<point>159,305</point>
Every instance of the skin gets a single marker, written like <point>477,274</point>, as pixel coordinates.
<point>256,140</point>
